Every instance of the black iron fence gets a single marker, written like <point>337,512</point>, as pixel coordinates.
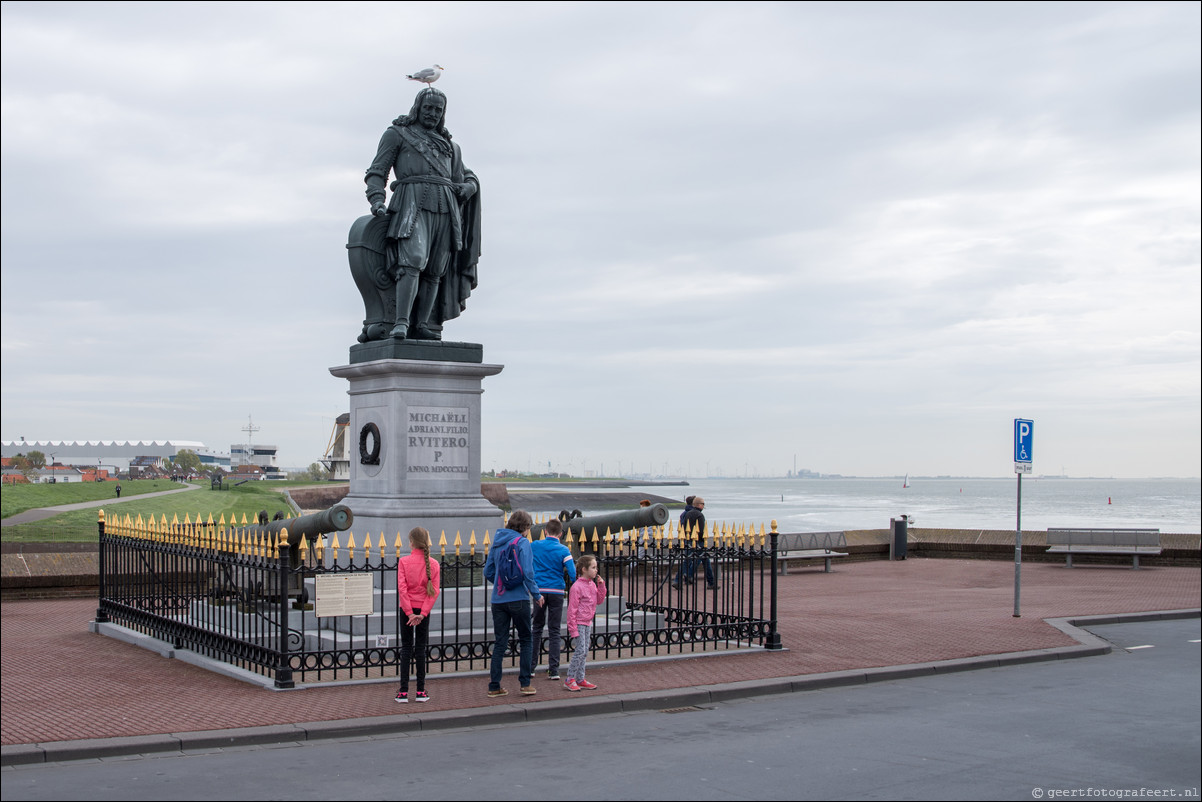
<point>327,610</point>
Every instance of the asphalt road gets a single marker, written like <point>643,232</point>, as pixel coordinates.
<point>1124,724</point>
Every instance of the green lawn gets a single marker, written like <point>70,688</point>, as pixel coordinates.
<point>19,498</point>
<point>80,525</point>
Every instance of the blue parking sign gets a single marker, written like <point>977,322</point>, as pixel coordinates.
<point>1024,435</point>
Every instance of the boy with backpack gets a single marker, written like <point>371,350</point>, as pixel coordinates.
<point>510,567</point>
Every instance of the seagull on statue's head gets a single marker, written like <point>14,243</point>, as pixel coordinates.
<point>427,76</point>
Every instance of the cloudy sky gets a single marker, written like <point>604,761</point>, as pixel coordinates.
<point>718,238</point>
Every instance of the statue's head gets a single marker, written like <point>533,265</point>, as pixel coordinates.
<point>429,111</point>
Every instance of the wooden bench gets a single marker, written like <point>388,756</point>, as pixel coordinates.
<point>802,546</point>
<point>1135,542</point>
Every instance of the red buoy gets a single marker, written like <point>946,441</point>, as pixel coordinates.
<point>1108,499</point>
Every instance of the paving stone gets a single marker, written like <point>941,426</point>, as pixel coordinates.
<point>865,620</point>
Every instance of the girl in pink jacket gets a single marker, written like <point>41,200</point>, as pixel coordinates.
<point>416,589</point>
<point>587,592</point>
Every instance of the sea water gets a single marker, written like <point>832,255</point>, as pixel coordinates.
<point>820,505</point>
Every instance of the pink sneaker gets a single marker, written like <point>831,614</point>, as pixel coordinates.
<point>571,685</point>
<point>585,685</point>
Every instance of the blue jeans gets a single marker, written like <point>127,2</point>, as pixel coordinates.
<point>688,567</point>
<point>549,615</point>
<point>584,640</point>
<point>502,615</point>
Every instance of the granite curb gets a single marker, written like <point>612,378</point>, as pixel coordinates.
<point>1088,645</point>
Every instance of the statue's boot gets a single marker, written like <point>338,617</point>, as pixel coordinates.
<point>406,291</point>
<point>425,310</point>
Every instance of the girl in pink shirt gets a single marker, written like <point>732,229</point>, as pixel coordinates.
<point>587,592</point>
<point>416,589</point>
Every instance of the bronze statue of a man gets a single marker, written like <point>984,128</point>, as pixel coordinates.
<point>432,240</point>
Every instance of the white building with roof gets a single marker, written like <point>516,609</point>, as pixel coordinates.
<point>115,455</point>
<point>261,454</point>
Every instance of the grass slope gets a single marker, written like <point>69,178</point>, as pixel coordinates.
<point>79,526</point>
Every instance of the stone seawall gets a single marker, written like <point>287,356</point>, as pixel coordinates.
<point>45,570</point>
<point>998,544</point>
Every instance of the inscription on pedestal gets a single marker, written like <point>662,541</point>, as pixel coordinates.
<point>439,442</point>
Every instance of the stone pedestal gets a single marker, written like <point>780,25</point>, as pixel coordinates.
<point>414,447</point>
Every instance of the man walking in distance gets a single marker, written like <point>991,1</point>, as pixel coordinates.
<point>693,522</point>
<point>433,238</point>
<point>512,606</point>
<point>551,559</point>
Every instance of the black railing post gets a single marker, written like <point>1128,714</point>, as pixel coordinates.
<point>283,669</point>
<point>745,553</point>
<point>773,641</point>
<point>102,616</point>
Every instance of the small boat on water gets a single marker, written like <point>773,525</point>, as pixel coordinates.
<point>906,482</point>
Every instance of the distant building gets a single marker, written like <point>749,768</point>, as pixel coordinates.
<point>261,455</point>
<point>243,473</point>
<point>115,455</point>
<point>55,474</point>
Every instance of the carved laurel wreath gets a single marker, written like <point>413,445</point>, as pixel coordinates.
<point>372,456</point>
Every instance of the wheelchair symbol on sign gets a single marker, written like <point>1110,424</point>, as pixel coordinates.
<point>1022,453</point>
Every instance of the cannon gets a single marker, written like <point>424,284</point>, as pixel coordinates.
<point>336,519</point>
<point>619,521</point>
<point>253,583</point>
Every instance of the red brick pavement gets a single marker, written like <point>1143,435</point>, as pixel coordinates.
<point>60,682</point>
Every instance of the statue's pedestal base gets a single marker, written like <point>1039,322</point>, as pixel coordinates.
<point>424,350</point>
<point>415,448</point>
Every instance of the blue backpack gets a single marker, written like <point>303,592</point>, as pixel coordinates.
<point>509,568</point>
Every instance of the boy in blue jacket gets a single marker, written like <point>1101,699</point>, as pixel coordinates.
<point>512,605</point>
<point>551,558</point>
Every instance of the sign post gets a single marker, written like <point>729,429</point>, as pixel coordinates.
<point>1024,435</point>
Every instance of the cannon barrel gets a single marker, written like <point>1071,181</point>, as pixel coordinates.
<point>619,521</point>
<point>336,519</point>
<point>252,583</point>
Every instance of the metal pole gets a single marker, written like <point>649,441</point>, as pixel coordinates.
<point>773,636</point>
<point>283,671</point>
<point>1018,547</point>
<point>102,615</point>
